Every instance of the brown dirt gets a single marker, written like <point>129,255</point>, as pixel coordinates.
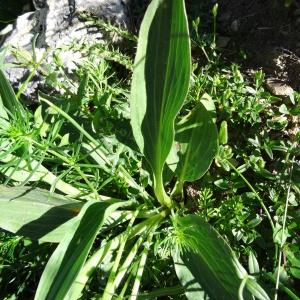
<point>269,34</point>
<point>266,30</point>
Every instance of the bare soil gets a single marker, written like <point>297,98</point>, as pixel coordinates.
<point>268,33</point>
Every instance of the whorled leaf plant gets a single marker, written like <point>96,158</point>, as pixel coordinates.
<point>205,265</point>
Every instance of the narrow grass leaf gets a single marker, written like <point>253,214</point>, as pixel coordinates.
<point>9,98</point>
<point>140,268</point>
<point>32,170</point>
<point>111,246</point>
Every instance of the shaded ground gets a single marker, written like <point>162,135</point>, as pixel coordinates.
<point>268,32</point>
<point>10,11</point>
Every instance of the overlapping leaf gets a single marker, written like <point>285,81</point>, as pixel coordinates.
<point>36,213</point>
<point>198,139</point>
<point>205,265</point>
<point>70,255</point>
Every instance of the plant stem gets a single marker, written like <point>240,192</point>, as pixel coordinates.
<point>160,192</point>
<point>178,189</point>
<point>282,236</point>
<point>289,292</point>
<point>141,266</point>
<point>205,54</point>
<point>241,289</point>
<point>255,193</point>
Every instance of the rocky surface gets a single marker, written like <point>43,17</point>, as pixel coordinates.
<point>278,88</point>
<point>58,23</point>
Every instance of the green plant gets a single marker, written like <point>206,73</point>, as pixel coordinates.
<point>174,144</point>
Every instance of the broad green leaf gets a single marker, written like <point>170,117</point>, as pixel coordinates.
<point>3,115</point>
<point>192,288</point>
<point>197,136</point>
<point>209,104</point>
<point>171,163</point>
<point>36,213</point>
<point>70,255</point>
<point>4,123</point>
<point>280,234</point>
<point>204,263</point>
<point>160,82</point>
<point>9,98</point>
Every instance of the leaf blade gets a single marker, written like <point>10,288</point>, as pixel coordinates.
<point>9,98</point>
<point>198,138</point>
<point>36,213</point>
<point>70,255</point>
<point>208,264</point>
<point>160,80</point>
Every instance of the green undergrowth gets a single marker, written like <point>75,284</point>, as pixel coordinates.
<point>257,161</point>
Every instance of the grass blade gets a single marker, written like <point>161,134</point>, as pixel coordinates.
<point>9,98</point>
<point>141,267</point>
<point>100,254</point>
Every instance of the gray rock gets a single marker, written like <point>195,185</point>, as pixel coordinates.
<point>297,12</point>
<point>58,23</point>
<point>224,17</point>
<point>278,88</point>
<point>235,26</point>
<point>223,41</point>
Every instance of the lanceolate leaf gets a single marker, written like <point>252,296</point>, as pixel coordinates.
<point>36,213</point>
<point>192,288</point>
<point>70,255</point>
<point>160,81</point>
<point>198,139</point>
<point>204,263</point>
